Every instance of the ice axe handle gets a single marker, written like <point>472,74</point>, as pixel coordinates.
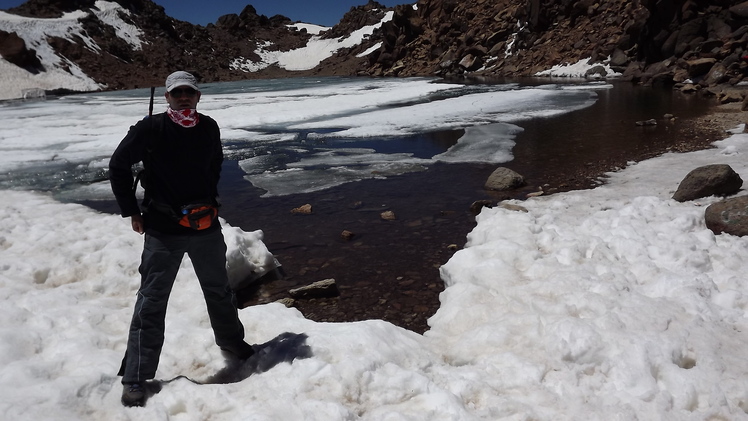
<point>150,107</point>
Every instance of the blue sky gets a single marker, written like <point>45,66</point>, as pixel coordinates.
<point>321,12</point>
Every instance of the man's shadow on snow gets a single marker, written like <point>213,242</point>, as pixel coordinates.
<point>286,347</point>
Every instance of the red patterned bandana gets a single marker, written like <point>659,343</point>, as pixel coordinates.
<point>185,118</point>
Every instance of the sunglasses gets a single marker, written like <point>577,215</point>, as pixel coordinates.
<point>179,92</point>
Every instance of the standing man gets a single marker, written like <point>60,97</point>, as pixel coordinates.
<point>181,153</point>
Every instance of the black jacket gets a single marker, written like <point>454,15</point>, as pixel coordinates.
<point>182,167</point>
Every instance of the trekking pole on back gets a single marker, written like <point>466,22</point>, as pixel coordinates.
<point>150,107</point>
<point>150,117</point>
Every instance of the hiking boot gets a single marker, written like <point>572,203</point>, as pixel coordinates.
<point>133,394</point>
<point>241,350</point>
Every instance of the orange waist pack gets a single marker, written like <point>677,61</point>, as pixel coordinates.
<point>198,216</point>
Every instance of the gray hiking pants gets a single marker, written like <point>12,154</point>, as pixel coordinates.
<point>162,255</point>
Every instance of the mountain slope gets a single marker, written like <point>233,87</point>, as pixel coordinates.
<point>133,43</point>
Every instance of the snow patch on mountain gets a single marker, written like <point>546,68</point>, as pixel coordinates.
<point>309,56</point>
<point>60,72</point>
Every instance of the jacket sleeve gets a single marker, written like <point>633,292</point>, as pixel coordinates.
<point>130,151</point>
<point>217,160</point>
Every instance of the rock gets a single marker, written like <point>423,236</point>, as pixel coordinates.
<point>687,33</point>
<point>619,58</point>
<point>740,9</point>
<point>511,207</point>
<point>699,66</point>
<point>302,210</point>
<point>471,62</point>
<point>288,302</point>
<point>680,76</point>
<point>659,72</point>
<point>347,235</point>
<point>729,216</point>
<point>596,72</point>
<point>716,30</point>
<point>504,179</point>
<point>388,215</point>
<point>689,88</point>
<point>650,122</point>
<point>709,180</point>
<point>536,193</point>
<point>478,205</point>
<point>321,289</point>
<point>633,71</point>
<point>718,74</point>
<point>730,96</point>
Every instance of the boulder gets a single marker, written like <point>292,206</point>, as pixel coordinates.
<point>619,58</point>
<point>709,180</point>
<point>471,62</point>
<point>729,216</point>
<point>718,74</point>
<point>699,66</point>
<point>504,179</point>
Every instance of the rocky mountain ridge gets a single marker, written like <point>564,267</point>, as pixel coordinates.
<point>693,43</point>
<point>667,41</point>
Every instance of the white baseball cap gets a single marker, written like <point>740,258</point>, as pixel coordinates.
<point>181,78</point>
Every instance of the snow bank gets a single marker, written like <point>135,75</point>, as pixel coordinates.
<point>612,303</point>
